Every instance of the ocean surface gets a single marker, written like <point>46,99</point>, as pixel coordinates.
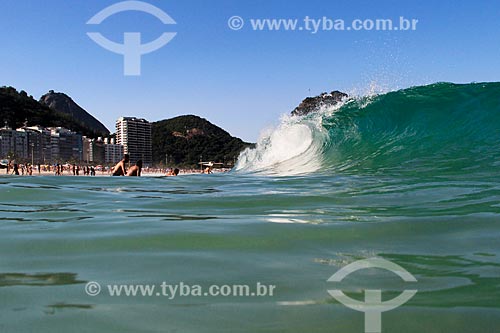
<point>410,176</point>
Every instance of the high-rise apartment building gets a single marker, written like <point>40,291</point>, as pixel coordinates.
<point>135,136</point>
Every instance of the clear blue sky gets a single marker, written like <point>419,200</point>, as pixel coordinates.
<point>241,80</point>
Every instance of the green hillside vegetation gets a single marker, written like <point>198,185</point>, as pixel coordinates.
<point>17,107</point>
<point>187,139</point>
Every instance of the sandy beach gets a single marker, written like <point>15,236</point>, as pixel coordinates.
<point>106,173</point>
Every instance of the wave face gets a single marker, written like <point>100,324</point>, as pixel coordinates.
<point>437,129</point>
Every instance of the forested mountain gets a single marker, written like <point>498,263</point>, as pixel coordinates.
<point>187,139</point>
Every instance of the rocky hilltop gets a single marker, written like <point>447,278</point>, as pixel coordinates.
<point>62,103</point>
<point>312,104</point>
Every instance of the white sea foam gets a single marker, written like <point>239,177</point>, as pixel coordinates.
<point>292,148</point>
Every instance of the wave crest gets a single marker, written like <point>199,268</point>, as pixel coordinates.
<point>444,128</point>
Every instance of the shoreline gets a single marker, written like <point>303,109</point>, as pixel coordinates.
<point>67,173</point>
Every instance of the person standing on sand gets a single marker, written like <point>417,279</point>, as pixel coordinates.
<point>119,169</point>
<point>15,169</point>
<point>136,169</point>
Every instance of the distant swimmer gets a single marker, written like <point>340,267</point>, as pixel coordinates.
<point>136,169</point>
<point>119,169</point>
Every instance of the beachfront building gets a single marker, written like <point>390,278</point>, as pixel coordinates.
<point>24,144</point>
<point>7,142</point>
<point>21,145</point>
<point>113,152</point>
<point>40,145</point>
<point>101,151</point>
<point>66,145</point>
<point>135,136</point>
<point>93,150</point>
<point>86,142</point>
<point>29,144</point>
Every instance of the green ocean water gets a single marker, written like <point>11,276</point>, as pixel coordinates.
<point>410,176</point>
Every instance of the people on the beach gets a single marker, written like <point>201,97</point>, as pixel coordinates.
<point>172,172</point>
<point>59,169</point>
<point>136,169</point>
<point>15,169</point>
<point>119,169</point>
